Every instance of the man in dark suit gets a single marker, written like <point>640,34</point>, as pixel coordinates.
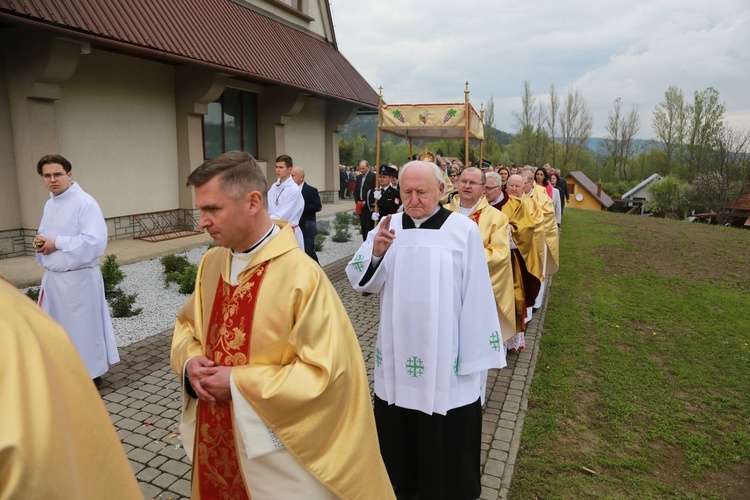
<point>365,183</point>
<point>307,222</point>
<point>343,182</point>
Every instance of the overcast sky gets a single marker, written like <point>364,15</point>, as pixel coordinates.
<point>424,51</point>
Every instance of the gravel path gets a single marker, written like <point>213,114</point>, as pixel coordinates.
<point>161,304</point>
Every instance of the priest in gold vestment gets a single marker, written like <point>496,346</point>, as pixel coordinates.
<point>276,398</point>
<point>527,270</point>
<point>56,438</point>
<point>493,226</point>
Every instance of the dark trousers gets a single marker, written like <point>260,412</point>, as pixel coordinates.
<point>433,456</point>
<point>365,222</point>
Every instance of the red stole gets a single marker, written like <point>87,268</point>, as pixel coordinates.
<point>475,217</point>
<point>216,465</point>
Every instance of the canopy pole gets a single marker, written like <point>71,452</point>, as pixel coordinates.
<point>377,143</point>
<point>481,141</point>
<point>466,124</point>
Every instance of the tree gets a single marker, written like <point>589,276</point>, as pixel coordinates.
<point>530,143</point>
<point>554,105</point>
<point>618,143</point>
<point>669,124</point>
<point>576,124</point>
<point>490,143</point>
<point>525,121</point>
<point>705,123</point>
<point>725,173</point>
<point>667,195</point>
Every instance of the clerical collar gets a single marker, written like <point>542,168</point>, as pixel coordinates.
<point>467,211</point>
<point>499,198</point>
<point>260,241</point>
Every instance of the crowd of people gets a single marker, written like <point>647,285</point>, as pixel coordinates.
<point>276,395</point>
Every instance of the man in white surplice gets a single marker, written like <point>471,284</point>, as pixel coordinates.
<point>438,335</point>
<point>285,200</point>
<point>71,238</point>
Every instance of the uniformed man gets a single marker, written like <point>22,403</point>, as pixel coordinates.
<point>387,196</point>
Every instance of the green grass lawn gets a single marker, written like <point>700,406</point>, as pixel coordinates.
<point>643,373</point>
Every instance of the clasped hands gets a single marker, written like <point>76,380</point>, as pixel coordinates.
<point>43,245</point>
<point>210,382</point>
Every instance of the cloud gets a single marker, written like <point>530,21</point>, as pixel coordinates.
<point>424,52</point>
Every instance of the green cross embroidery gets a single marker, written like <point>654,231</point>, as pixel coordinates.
<point>455,366</point>
<point>495,341</point>
<point>415,366</point>
<point>357,263</point>
<point>378,357</point>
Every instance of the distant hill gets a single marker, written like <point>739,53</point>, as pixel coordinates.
<point>596,144</point>
<point>366,125</point>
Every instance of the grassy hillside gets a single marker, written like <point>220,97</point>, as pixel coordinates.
<point>643,374</point>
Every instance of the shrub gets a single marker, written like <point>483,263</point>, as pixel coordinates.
<point>187,279</point>
<point>111,274</point>
<point>324,227</point>
<point>33,293</point>
<point>122,305</point>
<point>319,240</point>
<point>174,263</point>
<point>341,224</point>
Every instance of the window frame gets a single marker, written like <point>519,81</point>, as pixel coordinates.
<point>240,118</point>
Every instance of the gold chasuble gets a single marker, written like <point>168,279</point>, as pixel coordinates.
<point>296,361</point>
<point>539,194</point>
<point>493,226</point>
<point>536,214</point>
<point>527,270</point>
<point>56,438</point>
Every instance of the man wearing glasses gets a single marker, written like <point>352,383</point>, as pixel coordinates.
<point>493,226</point>
<point>71,238</point>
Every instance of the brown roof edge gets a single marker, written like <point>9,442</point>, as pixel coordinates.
<point>161,55</point>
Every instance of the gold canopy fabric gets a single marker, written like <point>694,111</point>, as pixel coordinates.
<point>56,438</point>
<point>431,121</point>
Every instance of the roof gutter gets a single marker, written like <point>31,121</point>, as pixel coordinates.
<point>163,55</point>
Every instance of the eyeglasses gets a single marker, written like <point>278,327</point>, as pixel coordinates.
<point>54,175</point>
<point>464,182</point>
<point>491,187</point>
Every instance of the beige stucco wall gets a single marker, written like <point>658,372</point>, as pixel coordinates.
<point>305,141</point>
<point>116,125</point>
<point>312,8</point>
<point>10,215</point>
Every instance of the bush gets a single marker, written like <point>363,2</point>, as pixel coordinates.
<point>111,274</point>
<point>324,227</point>
<point>33,293</point>
<point>319,240</point>
<point>187,279</point>
<point>174,263</point>
<point>120,302</point>
<point>122,305</point>
<point>341,224</point>
<point>668,195</point>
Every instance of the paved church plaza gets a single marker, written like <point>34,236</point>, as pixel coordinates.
<point>143,398</point>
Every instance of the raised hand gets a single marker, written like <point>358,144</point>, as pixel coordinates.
<point>383,238</point>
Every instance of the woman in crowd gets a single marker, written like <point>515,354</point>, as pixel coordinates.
<point>504,174</point>
<point>560,187</point>
<point>542,179</point>
<point>557,198</point>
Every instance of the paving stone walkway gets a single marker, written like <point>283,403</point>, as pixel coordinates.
<point>143,398</point>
